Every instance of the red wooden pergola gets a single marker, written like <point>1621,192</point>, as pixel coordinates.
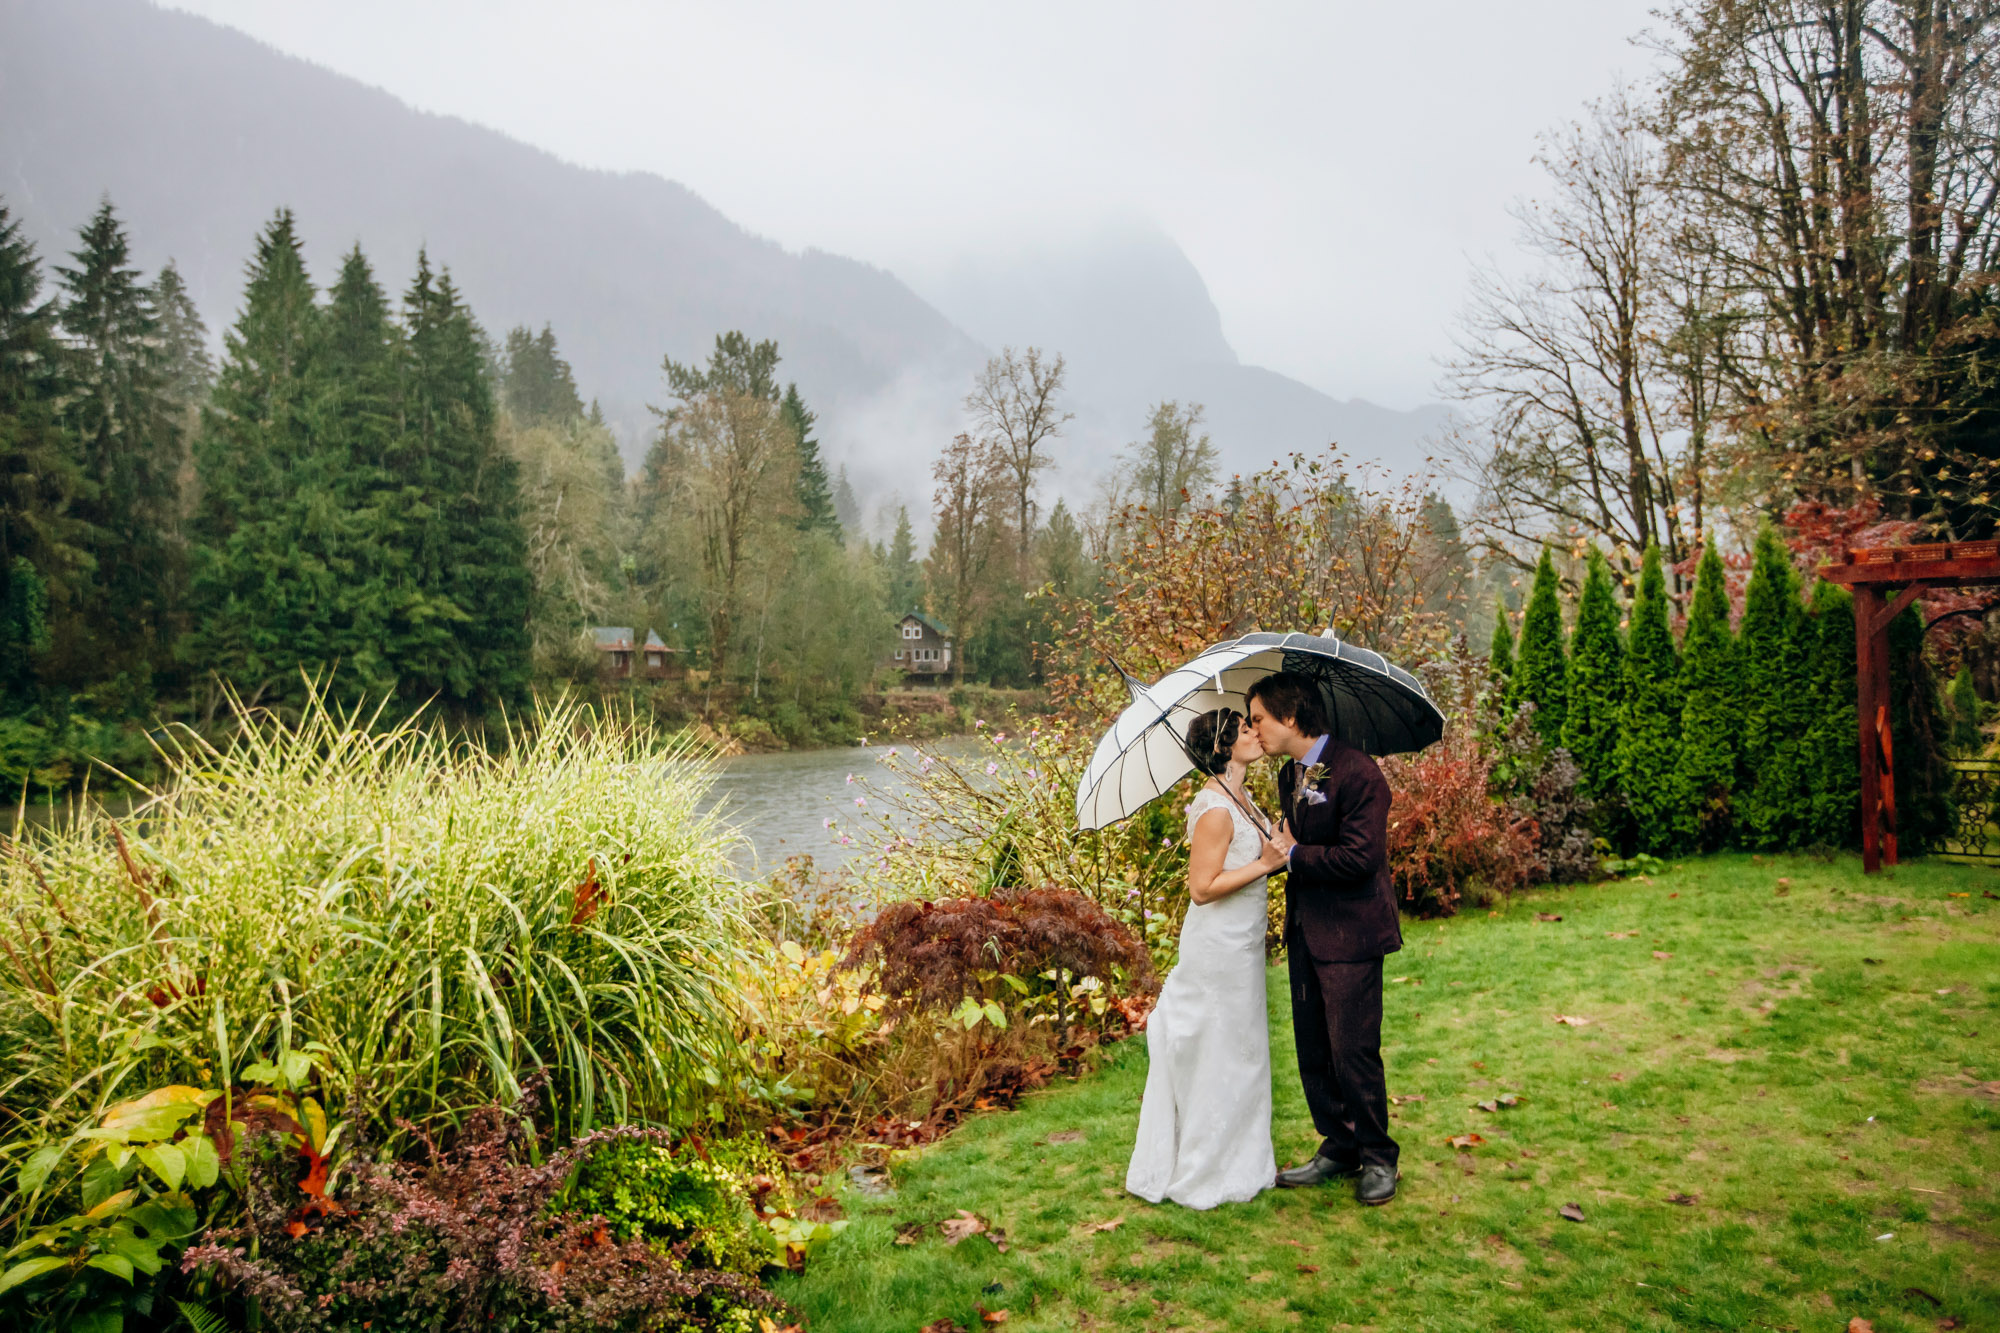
<point>1886,579</point>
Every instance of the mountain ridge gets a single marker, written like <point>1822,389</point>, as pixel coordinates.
<point>198,133</point>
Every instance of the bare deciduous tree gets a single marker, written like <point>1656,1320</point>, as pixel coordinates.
<point>968,512</point>
<point>1175,463</point>
<point>1016,413</point>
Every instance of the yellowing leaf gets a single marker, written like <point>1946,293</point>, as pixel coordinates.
<point>154,1116</point>
<point>791,950</point>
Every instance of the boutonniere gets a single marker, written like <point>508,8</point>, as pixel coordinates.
<point>1310,777</point>
<point>1311,774</point>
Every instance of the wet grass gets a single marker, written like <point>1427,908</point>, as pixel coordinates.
<point>1814,1066</point>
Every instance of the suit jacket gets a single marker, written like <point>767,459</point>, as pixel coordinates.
<point>1339,895</point>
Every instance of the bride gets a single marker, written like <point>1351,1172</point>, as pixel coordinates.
<point>1205,1123</point>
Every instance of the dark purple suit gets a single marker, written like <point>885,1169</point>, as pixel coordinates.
<point>1340,921</point>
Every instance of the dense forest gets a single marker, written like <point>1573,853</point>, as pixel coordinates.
<point>369,494</point>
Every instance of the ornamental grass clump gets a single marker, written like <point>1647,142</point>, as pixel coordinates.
<point>418,919</point>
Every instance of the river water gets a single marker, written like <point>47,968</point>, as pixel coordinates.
<point>781,802</point>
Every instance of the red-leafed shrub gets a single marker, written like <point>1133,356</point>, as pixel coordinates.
<point>936,954</point>
<point>1446,831</point>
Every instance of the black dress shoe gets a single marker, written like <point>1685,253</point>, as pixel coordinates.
<point>1316,1172</point>
<point>1376,1187</point>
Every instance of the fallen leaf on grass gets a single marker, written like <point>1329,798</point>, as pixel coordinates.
<point>1684,1200</point>
<point>1574,1020</point>
<point>1309,1268</point>
<point>1295,1244</point>
<point>1465,1142</point>
<point>987,1316</point>
<point>1618,1078</point>
<point>1876,961</point>
<point>1548,916</point>
<point>942,1326</point>
<point>1948,1322</point>
<point>1571,1212</point>
<point>1621,934</point>
<point>1936,1304</point>
<point>1500,1103</point>
<point>1661,955</point>
<point>958,1228</point>
<point>1066,1136</point>
<point>1410,1097</point>
<point>1859,1325</point>
<point>1958,895</point>
<point>1092,1228</point>
<point>1988,893</point>
<point>998,1237</point>
<point>907,1233</point>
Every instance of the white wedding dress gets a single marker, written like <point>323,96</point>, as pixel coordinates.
<point>1205,1123</point>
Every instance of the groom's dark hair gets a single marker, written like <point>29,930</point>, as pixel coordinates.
<point>1292,699</point>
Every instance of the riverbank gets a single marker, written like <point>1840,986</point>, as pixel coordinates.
<point>1773,1103</point>
<point>736,722</point>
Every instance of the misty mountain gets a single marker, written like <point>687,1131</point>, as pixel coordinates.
<point>198,133</point>
<point>1134,319</point>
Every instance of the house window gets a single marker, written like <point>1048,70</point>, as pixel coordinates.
<point>913,631</point>
<point>621,660</point>
<point>652,659</point>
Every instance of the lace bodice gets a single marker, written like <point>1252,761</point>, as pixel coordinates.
<point>1244,842</point>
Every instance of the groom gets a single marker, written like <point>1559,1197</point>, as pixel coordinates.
<point>1340,920</point>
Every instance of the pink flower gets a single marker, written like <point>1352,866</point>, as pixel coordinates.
<point>850,778</point>
<point>992,767</point>
<point>826,823</point>
<point>979,722</point>
<point>861,801</point>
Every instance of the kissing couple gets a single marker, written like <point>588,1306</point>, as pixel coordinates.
<point>1205,1123</point>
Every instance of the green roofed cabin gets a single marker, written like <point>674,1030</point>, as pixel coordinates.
<point>923,647</point>
<point>618,659</point>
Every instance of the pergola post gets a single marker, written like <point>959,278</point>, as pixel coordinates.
<point>1870,692</point>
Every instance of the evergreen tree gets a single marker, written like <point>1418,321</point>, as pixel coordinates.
<point>537,385</point>
<point>1832,759</point>
<point>1649,721</point>
<point>42,554</point>
<point>355,525</point>
<point>1540,673</point>
<point>471,553</point>
<point>1966,738</point>
<point>1595,687</point>
<point>187,368</point>
<point>252,592</point>
<point>128,432</point>
<point>905,572</point>
<point>1500,655</point>
<point>846,507</point>
<point>1923,781</point>
<point>1705,772</point>
<point>816,512</point>
<point>1775,706</point>
<point>24,636</point>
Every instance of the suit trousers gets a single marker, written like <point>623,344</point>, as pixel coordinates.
<point>1337,1025</point>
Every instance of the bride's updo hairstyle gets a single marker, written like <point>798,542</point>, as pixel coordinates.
<point>1212,736</point>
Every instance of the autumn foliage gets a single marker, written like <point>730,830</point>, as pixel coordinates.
<point>935,954</point>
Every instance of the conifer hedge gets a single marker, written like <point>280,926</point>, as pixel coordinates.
<point>1747,740</point>
<point>1500,655</point>
<point>1776,706</point>
<point>1595,685</point>
<point>1705,766</point>
<point>1539,669</point>
<point>1649,725</point>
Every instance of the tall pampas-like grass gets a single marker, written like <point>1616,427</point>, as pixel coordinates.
<point>410,923</point>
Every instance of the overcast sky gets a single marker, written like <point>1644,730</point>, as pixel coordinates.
<point>1331,168</point>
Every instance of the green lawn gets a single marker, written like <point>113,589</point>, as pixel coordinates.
<point>1816,1064</point>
